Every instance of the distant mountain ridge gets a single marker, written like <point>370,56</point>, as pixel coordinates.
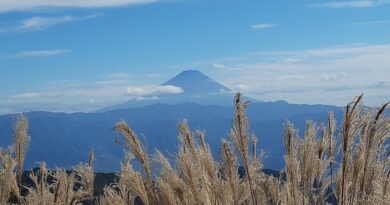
<point>63,140</point>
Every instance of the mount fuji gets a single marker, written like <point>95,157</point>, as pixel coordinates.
<point>195,87</point>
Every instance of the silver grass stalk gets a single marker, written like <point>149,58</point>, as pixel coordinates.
<point>21,141</point>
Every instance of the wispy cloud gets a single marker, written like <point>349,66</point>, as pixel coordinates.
<point>21,5</point>
<point>67,96</point>
<point>76,96</point>
<point>147,91</point>
<point>38,23</point>
<point>365,23</point>
<point>264,25</point>
<point>41,53</point>
<point>329,75</point>
<point>218,66</point>
<point>350,4</point>
<point>33,96</point>
<point>30,95</point>
<point>118,75</point>
<point>333,77</point>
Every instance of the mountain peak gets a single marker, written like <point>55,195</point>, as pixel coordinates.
<point>196,82</point>
<point>192,72</point>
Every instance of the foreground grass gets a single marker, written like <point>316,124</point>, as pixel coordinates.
<point>346,164</point>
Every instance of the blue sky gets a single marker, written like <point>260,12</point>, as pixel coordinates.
<point>84,55</point>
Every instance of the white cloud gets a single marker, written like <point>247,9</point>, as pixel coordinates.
<point>68,96</point>
<point>333,77</point>
<point>327,53</point>
<point>118,75</point>
<point>37,23</point>
<point>147,98</point>
<point>241,87</point>
<point>33,96</point>
<point>350,4</point>
<point>146,91</point>
<point>328,77</point>
<point>264,25</point>
<point>380,84</point>
<point>20,5</point>
<point>137,91</point>
<point>169,89</point>
<point>73,96</point>
<point>23,96</point>
<point>218,66</point>
<point>41,53</point>
<point>292,77</point>
<point>366,23</point>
